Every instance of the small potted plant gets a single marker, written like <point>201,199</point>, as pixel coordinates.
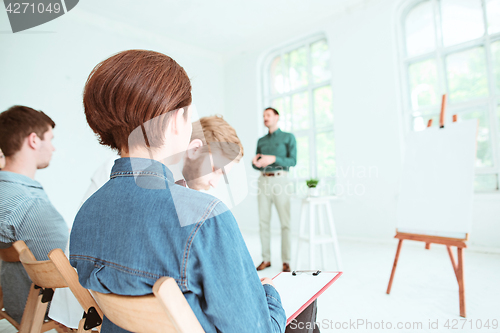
<point>312,187</point>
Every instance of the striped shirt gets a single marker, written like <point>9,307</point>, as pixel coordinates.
<point>26,214</point>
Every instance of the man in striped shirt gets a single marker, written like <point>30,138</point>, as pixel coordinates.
<point>25,210</point>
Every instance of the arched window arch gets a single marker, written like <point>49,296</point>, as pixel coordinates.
<point>297,82</point>
<point>453,47</point>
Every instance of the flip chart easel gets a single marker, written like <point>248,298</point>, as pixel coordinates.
<point>449,242</point>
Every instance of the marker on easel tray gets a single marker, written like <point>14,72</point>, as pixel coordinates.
<point>443,110</point>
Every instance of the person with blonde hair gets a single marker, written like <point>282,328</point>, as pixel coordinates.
<point>213,151</point>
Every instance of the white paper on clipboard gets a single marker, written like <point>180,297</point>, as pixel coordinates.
<point>298,291</point>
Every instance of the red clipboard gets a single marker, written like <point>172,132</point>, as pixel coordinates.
<point>298,291</point>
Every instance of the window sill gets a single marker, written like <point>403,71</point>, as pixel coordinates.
<point>487,196</point>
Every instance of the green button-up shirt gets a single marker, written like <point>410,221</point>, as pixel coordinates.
<point>280,144</point>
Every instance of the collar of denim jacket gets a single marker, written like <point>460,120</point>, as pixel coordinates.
<point>12,177</point>
<point>135,166</point>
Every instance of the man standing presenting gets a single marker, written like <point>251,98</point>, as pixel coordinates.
<point>25,210</point>
<point>276,153</point>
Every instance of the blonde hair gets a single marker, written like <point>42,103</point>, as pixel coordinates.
<point>213,132</point>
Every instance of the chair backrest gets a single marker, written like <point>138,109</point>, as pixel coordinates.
<point>42,273</point>
<point>70,276</point>
<point>167,311</point>
<point>9,254</point>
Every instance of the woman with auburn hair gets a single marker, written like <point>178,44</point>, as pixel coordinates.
<point>140,225</point>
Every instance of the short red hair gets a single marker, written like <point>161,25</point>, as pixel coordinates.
<point>130,88</point>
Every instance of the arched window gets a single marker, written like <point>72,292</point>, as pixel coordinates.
<point>453,47</point>
<point>297,82</point>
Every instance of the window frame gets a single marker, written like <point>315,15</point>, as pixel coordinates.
<point>267,97</point>
<point>490,103</point>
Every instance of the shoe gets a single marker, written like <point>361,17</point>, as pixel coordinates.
<point>264,264</point>
<point>286,267</point>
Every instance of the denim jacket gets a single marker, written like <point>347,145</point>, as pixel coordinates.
<point>140,226</point>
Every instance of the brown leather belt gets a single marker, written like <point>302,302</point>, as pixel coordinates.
<point>272,174</point>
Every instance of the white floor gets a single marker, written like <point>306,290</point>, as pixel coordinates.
<point>424,289</point>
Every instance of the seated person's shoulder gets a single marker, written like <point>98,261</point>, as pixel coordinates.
<point>13,190</point>
<point>197,206</point>
<point>18,198</point>
<point>193,199</point>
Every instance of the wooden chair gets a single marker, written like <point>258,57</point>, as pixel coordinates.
<point>8,255</point>
<point>45,278</point>
<point>93,315</point>
<point>167,311</point>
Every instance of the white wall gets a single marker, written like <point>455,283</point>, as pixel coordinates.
<point>46,68</point>
<point>368,125</point>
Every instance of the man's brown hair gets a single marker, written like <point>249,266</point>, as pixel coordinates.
<point>17,123</point>
<point>131,88</point>
<point>272,109</point>
<point>214,131</point>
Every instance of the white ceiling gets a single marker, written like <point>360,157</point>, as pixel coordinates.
<point>221,26</point>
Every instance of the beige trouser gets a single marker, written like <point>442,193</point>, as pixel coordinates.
<point>275,190</point>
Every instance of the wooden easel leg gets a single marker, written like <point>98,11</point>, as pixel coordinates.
<point>394,266</point>
<point>453,262</point>
<point>461,284</point>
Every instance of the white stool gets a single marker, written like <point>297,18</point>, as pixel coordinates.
<point>313,238</point>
